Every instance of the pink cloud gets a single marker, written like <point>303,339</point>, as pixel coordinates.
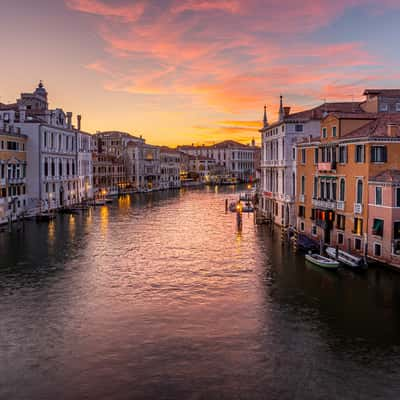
<point>227,53</point>
<point>128,13</point>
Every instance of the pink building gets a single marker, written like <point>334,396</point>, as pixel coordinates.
<point>384,217</point>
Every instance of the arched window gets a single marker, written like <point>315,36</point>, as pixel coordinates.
<point>359,191</point>
<point>342,189</point>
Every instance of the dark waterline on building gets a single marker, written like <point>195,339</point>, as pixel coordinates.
<point>158,296</point>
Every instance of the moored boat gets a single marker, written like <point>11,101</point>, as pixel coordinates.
<point>346,258</point>
<point>321,261</point>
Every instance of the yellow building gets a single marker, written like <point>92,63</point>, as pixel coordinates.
<point>12,174</point>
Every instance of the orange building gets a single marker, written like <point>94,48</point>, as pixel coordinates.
<point>12,173</point>
<point>334,171</point>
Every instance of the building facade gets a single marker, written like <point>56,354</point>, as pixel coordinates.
<point>170,162</point>
<point>51,150</point>
<point>342,196</point>
<point>235,159</point>
<point>12,173</point>
<point>278,158</point>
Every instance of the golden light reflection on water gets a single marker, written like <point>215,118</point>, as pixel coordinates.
<point>124,202</point>
<point>71,225</point>
<point>51,232</point>
<point>104,219</point>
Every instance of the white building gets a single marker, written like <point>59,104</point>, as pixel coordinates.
<point>52,176</point>
<point>236,159</point>
<point>144,165</point>
<point>85,148</point>
<point>170,162</point>
<point>278,157</point>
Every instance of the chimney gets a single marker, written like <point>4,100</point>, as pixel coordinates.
<point>286,111</point>
<point>79,121</point>
<point>392,130</point>
<point>69,119</point>
<point>22,113</point>
<point>253,142</point>
<point>309,138</point>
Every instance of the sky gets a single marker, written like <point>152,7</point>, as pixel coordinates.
<point>196,71</point>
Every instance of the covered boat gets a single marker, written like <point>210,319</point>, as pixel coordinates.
<point>322,261</point>
<point>346,258</point>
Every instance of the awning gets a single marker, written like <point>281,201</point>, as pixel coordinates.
<point>327,177</point>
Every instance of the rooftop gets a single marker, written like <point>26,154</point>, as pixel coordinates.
<point>378,127</point>
<point>389,176</point>
<point>384,92</point>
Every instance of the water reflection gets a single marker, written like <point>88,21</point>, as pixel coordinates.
<point>159,296</point>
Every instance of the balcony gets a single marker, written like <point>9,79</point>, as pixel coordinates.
<point>324,204</point>
<point>326,166</point>
<point>16,181</point>
<point>358,208</point>
<point>340,205</point>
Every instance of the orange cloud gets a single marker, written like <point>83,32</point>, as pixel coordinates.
<point>128,13</point>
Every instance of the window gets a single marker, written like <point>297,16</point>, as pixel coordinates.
<point>303,156</point>
<point>398,197</point>
<point>359,153</point>
<point>315,189</point>
<point>358,226</point>
<point>334,129</point>
<point>377,227</point>
<point>316,156</point>
<point>357,243</point>
<point>377,249</point>
<point>314,230</point>
<point>303,184</point>
<point>383,107</point>
<point>378,154</point>
<point>324,132</point>
<point>340,222</point>
<point>298,128</point>
<point>302,226</point>
<point>359,196</point>
<point>397,106</point>
<point>396,230</point>
<point>313,214</point>
<point>302,212</point>
<point>294,153</point>
<point>342,189</point>
<point>342,154</point>
<point>340,238</point>
<point>378,196</point>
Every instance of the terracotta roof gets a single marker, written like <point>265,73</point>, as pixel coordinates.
<point>384,92</point>
<point>377,128</point>
<point>319,112</point>
<point>390,175</point>
<point>361,115</point>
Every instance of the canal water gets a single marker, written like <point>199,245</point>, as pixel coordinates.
<point>158,296</point>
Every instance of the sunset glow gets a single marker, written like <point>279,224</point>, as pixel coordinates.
<point>195,71</point>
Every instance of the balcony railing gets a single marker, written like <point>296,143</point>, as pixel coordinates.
<point>340,205</point>
<point>358,208</point>
<point>326,166</point>
<point>14,181</point>
<point>325,204</point>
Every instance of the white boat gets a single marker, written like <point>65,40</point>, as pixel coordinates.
<point>346,258</point>
<point>322,261</point>
<point>99,202</point>
<point>108,200</point>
